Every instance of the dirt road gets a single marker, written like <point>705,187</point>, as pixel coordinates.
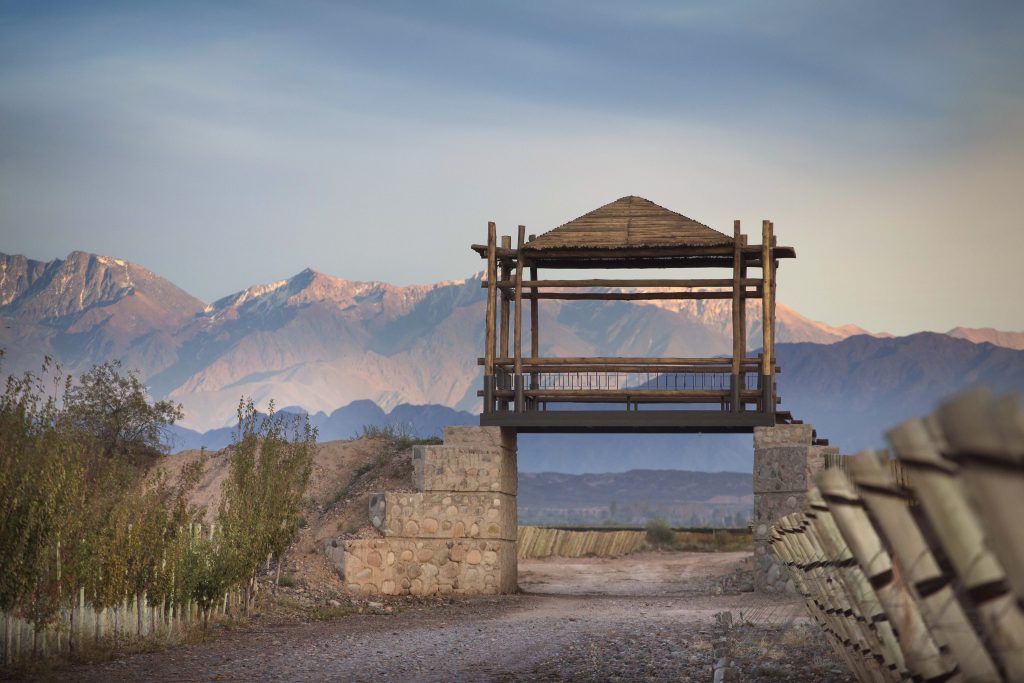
<point>644,617</point>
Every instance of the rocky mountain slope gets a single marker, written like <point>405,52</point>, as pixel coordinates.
<point>318,341</point>
<point>369,353</point>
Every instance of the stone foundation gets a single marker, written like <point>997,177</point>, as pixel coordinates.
<point>456,534</point>
<point>785,463</point>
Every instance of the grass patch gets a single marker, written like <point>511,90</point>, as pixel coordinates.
<point>288,581</point>
<point>398,437</point>
<point>312,612</point>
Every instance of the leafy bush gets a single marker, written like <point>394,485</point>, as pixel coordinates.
<point>659,534</point>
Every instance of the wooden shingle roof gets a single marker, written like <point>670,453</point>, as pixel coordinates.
<point>629,223</point>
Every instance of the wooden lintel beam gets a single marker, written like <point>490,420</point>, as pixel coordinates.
<point>609,360</point>
<point>634,296</point>
<point>653,282</point>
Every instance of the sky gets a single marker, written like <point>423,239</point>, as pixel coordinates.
<point>228,144</point>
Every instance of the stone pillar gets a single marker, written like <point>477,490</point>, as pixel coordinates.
<point>456,533</point>
<point>785,464</point>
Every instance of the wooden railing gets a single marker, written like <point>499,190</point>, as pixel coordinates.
<point>914,567</point>
<point>627,381</point>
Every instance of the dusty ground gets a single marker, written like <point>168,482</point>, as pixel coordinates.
<point>645,617</point>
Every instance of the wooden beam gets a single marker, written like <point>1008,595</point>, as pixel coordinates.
<point>724,368</point>
<point>518,378</point>
<point>492,276</point>
<point>634,296</point>
<point>621,360</point>
<point>545,255</point>
<point>506,243</point>
<point>737,313</point>
<point>650,282</point>
<point>534,324</point>
<point>767,341</point>
<point>623,421</point>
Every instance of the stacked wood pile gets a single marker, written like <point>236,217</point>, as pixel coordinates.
<point>542,542</point>
<point>916,572</point>
<point>536,541</point>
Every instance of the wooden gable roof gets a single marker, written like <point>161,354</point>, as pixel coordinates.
<point>629,223</point>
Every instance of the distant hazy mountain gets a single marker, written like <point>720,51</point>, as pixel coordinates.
<point>344,423</point>
<point>633,497</point>
<point>981,335</point>
<point>854,389</point>
<point>318,341</point>
<point>358,353</point>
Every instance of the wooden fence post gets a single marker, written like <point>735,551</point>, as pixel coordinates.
<point>941,610</point>
<point>935,484</point>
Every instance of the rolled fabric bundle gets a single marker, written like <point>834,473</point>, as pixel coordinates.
<point>985,437</point>
<point>937,486</point>
<point>922,654</point>
<point>887,504</point>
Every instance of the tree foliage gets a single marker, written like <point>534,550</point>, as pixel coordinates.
<point>80,508</point>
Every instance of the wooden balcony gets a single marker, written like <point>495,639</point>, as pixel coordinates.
<point>628,395</point>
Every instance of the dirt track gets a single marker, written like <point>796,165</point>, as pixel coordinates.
<point>644,617</point>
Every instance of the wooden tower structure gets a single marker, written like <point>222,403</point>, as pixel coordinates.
<point>532,393</point>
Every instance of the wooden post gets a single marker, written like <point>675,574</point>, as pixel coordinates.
<point>518,379</point>
<point>767,340</point>
<point>937,486</point>
<point>737,314</point>
<point>534,327</point>
<point>492,276</point>
<point>506,243</point>
<point>503,351</point>
<point>941,610</point>
<point>920,651</point>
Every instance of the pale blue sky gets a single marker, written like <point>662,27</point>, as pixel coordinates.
<point>227,144</point>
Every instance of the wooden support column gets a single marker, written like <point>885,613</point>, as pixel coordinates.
<point>506,268</point>
<point>518,378</point>
<point>534,327</point>
<point>736,378</point>
<point>492,277</point>
<point>767,325</point>
<point>504,314</point>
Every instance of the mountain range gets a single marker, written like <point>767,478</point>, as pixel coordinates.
<point>633,497</point>
<point>357,353</point>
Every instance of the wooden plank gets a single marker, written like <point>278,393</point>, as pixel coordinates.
<point>620,360</point>
<point>650,282</point>
<point>633,296</point>
<point>519,321</point>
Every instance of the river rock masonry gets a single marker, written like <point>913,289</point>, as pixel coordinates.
<point>455,534</point>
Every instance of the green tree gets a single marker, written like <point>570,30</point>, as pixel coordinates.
<point>114,408</point>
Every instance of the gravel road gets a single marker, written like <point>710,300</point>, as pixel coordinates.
<point>643,617</point>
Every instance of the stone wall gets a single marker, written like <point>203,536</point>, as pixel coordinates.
<point>455,534</point>
<point>785,463</point>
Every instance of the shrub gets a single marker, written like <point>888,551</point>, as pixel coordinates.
<point>398,437</point>
<point>660,534</point>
